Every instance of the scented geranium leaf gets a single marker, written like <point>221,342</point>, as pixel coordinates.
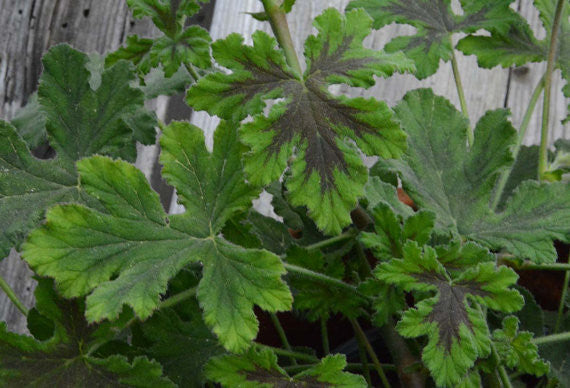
<point>516,349</point>
<point>30,123</point>
<point>128,254</point>
<point>387,299</point>
<point>457,333</point>
<point>189,47</point>
<point>63,359</point>
<point>310,125</point>
<point>167,15</point>
<point>182,347</point>
<point>518,45</point>
<point>376,191</point>
<point>435,23</point>
<point>440,174</point>
<point>136,50</point>
<point>81,121</point>
<point>274,235</point>
<point>320,299</point>
<point>156,83</point>
<point>259,368</point>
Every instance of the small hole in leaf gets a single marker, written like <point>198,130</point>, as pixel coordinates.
<point>64,25</point>
<point>86,12</point>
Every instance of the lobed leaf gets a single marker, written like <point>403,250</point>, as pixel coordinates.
<point>128,253</point>
<point>435,23</point>
<point>456,183</point>
<point>457,332</point>
<point>310,125</point>
<point>79,122</point>
<point>259,368</point>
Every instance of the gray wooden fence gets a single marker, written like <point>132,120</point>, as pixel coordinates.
<point>29,27</point>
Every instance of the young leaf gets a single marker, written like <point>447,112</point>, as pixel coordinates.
<point>456,183</point>
<point>79,122</point>
<point>182,347</point>
<point>63,359</point>
<point>518,45</point>
<point>30,123</point>
<point>259,368</point>
<point>435,23</point>
<point>457,332</point>
<point>128,254</point>
<point>517,350</point>
<point>167,15</point>
<point>310,124</point>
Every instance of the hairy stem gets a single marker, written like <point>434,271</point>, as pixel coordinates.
<point>522,130</point>
<point>503,375</point>
<point>543,151</point>
<point>282,335</point>
<point>192,72</point>
<point>349,366</point>
<point>287,353</point>
<point>363,260</point>
<point>325,336</point>
<point>322,278</point>
<point>527,265</point>
<point>547,339</point>
<point>403,357</point>
<point>280,27</point>
<point>175,299</point>
<point>460,92</point>
<point>362,337</point>
<point>562,298</point>
<point>333,240</point>
<point>12,296</point>
<point>364,362</point>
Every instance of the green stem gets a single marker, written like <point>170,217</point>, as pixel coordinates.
<point>287,353</point>
<point>282,335</point>
<point>325,336</point>
<point>175,299</point>
<point>461,93</point>
<point>300,271</point>
<point>524,125</point>
<point>363,260</point>
<point>292,369</point>
<point>547,339</point>
<point>503,375</point>
<point>562,298</point>
<point>12,296</point>
<point>364,361</point>
<point>192,72</point>
<point>333,240</point>
<point>362,337</point>
<point>532,266</point>
<point>543,150</point>
<point>280,27</point>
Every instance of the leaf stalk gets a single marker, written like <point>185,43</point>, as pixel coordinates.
<point>461,93</point>
<point>282,335</point>
<point>502,182</point>
<point>333,240</point>
<point>322,278</point>
<point>377,365</point>
<point>280,27</point>
<point>543,150</point>
<point>12,296</point>
<point>547,339</point>
<point>287,353</point>
<point>562,298</point>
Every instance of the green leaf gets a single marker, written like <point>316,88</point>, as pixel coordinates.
<point>259,368</point>
<point>182,347</point>
<point>63,360</point>
<point>376,191</point>
<point>320,299</point>
<point>435,22</point>
<point>518,45</point>
<point>516,349</point>
<point>440,174</point>
<point>137,51</point>
<point>128,254</point>
<point>190,47</point>
<point>311,126</point>
<point>79,122</point>
<point>167,15</point>
<point>457,333</point>
<point>30,123</point>
<point>156,83</point>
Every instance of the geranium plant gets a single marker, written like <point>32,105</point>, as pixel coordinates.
<point>407,271</point>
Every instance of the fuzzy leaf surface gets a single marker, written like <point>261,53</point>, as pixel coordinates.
<point>259,368</point>
<point>518,45</point>
<point>435,23</point>
<point>517,350</point>
<point>456,183</point>
<point>79,122</point>
<point>457,333</point>
<point>310,124</point>
<point>61,360</point>
<point>128,254</point>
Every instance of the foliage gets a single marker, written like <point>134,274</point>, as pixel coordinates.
<point>129,295</point>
